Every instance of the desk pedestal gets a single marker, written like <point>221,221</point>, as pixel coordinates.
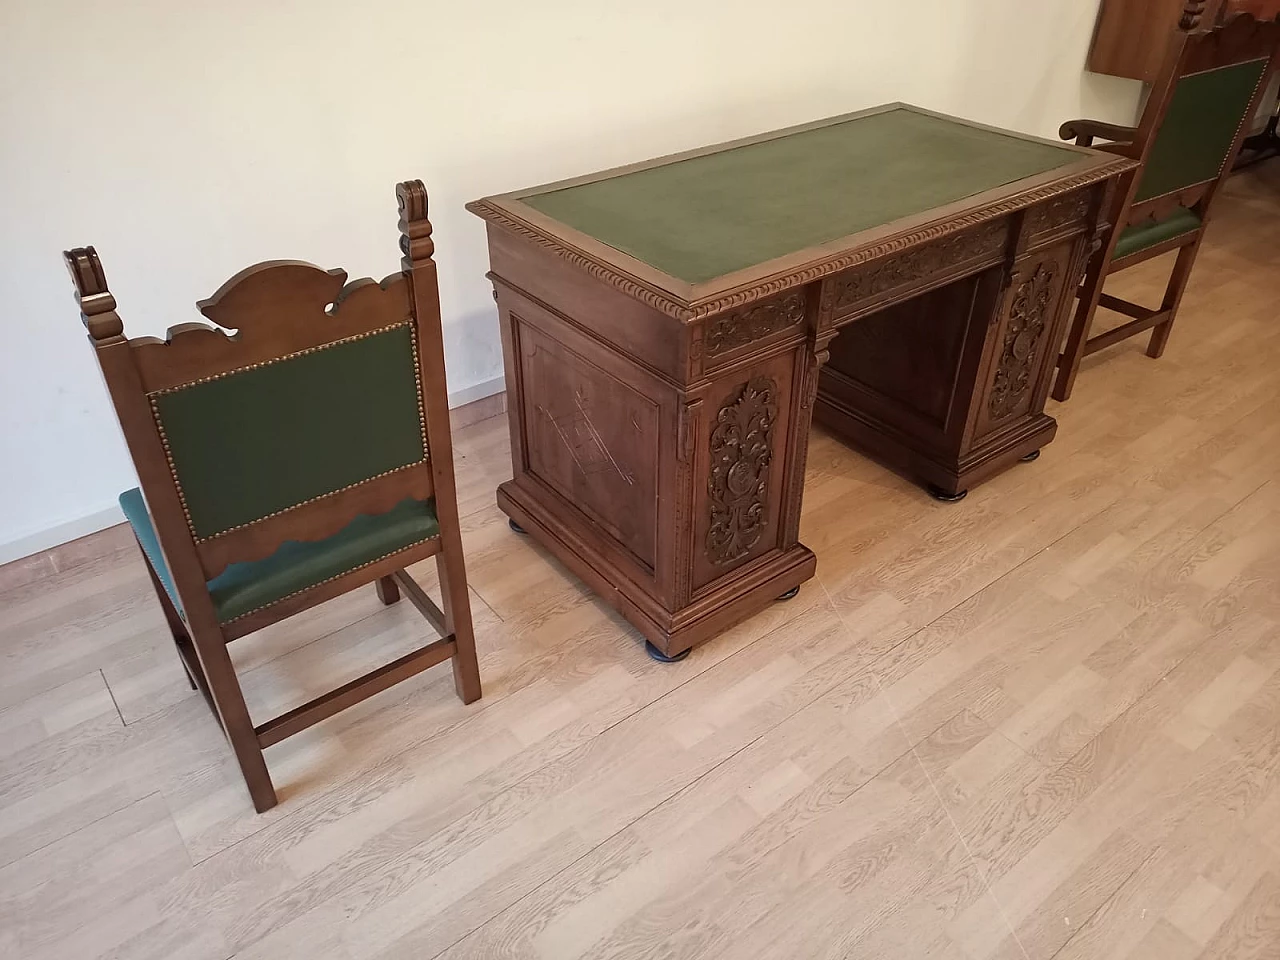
<point>949,387</point>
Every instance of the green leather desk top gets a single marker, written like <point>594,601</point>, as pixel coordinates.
<point>701,217</point>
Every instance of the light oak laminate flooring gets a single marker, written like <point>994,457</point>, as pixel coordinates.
<point>1040,723</point>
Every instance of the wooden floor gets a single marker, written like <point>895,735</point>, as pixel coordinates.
<point>1044,722</point>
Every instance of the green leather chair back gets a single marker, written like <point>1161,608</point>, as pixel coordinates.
<point>1196,136</point>
<point>253,442</point>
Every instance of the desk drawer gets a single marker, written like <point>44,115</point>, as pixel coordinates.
<point>868,286</point>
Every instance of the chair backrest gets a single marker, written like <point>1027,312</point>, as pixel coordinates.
<point>309,407</point>
<point>1196,112</point>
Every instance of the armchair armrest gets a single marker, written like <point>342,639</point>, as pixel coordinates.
<point>1083,132</point>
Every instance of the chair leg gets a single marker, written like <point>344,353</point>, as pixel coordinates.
<point>1086,306</point>
<point>224,691</point>
<point>456,606</point>
<point>388,590</point>
<point>1172,298</point>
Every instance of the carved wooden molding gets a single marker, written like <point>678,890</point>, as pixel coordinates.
<point>749,293</point>
<point>650,296</point>
<point>869,281</point>
<point>97,305</point>
<point>741,451</point>
<point>1242,37</point>
<point>1163,207</point>
<point>1063,212</point>
<point>264,311</point>
<point>741,327</point>
<point>1029,321</point>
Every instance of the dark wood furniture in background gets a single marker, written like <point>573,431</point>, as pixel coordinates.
<point>1190,131</point>
<point>1132,36</point>
<point>304,456</point>
<point>665,328</point>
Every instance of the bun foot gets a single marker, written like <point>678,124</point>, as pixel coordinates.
<point>517,528</point>
<point>1033,455</point>
<point>939,494</point>
<point>661,657</point>
<point>790,593</point>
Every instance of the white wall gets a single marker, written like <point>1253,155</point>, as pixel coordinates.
<point>186,140</point>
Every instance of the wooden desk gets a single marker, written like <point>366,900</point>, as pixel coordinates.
<point>664,326</point>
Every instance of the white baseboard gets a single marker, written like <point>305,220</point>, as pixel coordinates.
<point>59,534</point>
<point>83,526</point>
<point>478,391</point>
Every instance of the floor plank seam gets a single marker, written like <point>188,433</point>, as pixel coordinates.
<point>955,828</point>
<point>112,694</point>
<point>92,823</point>
<point>1103,905</point>
<point>675,797</point>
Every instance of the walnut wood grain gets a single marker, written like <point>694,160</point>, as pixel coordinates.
<point>660,430</point>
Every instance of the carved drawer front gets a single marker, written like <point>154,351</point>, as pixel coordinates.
<point>1062,215</point>
<point>1025,347</point>
<point>725,335</point>
<point>864,288</point>
<point>740,470</point>
<point>593,439</point>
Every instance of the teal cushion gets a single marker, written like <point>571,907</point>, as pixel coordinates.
<point>135,511</point>
<point>1143,235</point>
<point>245,587</point>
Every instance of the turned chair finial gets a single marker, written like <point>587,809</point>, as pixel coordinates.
<point>1191,14</point>
<point>97,305</point>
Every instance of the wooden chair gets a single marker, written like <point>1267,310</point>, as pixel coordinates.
<point>302,456</point>
<point>1191,128</point>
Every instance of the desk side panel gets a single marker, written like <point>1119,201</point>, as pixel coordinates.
<point>593,425</point>
<point>652,339</point>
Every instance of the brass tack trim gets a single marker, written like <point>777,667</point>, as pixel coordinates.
<point>1245,118</point>
<point>168,453</point>
<point>336,576</point>
<point>288,356</point>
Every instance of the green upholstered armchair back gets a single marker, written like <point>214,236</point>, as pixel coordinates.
<point>1194,141</point>
<point>258,440</point>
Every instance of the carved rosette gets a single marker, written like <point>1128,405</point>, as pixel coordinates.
<point>741,450</point>
<point>1029,321</point>
<point>885,275</point>
<point>737,329</point>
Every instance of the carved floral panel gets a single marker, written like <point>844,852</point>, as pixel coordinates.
<point>741,452</point>
<point>1024,340</point>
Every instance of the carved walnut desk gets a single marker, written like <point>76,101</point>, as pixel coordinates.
<point>665,329</point>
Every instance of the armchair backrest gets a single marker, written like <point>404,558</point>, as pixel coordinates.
<point>1196,112</point>
<point>305,407</point>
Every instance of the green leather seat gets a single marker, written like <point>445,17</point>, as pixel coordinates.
<point>245,587</point>
<point>1143,235</point>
